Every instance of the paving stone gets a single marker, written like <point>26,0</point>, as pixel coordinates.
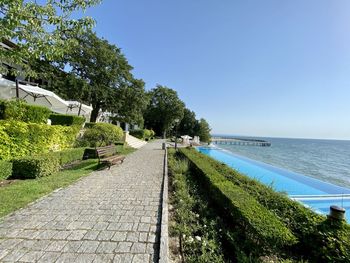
<point>141,258</point>
<point>32,256</point>
<point>67,257</point>
<point>108,216</point>
<point>88,247</point>
<point>85,258</point>
<point>123,247</point>
<point>138,248</point>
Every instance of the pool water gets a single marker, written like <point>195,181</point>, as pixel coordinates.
<point>313,193</point>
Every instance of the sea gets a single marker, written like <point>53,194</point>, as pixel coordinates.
<point>326,160</point>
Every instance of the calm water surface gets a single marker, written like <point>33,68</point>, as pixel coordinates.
<point>326,160</point>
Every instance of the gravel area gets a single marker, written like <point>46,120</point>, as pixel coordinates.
<point>110,216</point>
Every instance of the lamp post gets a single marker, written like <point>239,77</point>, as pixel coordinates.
<point>176,125</point>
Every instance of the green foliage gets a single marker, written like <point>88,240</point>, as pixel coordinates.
<point>5,169</point>
<point>196,223</point>
<point>319,238</point>
<point>101,134</point>
<point>143,134</point>
<point>188,124</point>
<point>203,131</point>
<point>66,120</point>
<point>89,124</point>
<point>35,166</point>
<point>165,107</point>
<point>70,155</point>
<point>262,228</point>
<point>21,139</point>
<point>41,31</point>
<point>21,111</point>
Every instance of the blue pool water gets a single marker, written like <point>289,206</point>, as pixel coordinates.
<point>312,192</point>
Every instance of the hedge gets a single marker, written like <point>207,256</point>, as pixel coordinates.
<point>22,139</point>
<point>66,120</point>
<point>318,237</point>
<point>260,225</point>
<point>35,166</point>
<point>101,134</point>
<point>19,110</point>
<point>70,155</point>
<point>5,169</point>
<point>143,134</point>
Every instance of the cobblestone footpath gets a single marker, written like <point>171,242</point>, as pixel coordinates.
<point>110,216</point>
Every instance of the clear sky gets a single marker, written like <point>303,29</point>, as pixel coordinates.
<point>264,68</point>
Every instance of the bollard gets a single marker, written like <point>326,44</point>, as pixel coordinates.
<point>163,145</point>
<point>337,212</point>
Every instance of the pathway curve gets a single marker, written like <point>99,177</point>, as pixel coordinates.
<point>109,216</point>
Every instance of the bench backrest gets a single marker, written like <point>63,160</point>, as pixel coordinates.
<point>106,151</point>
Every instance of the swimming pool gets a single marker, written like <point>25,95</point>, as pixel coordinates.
<point>313,193</point>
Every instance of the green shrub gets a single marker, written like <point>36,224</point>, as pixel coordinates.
<point>35,166</point>
<point>142,134</point>
<point>101,134</point>
<point>262,228</point>
<point>70,155</point>
<point>89,124</point>
<point>21,139</point>
<point>19,110</point>
<point>66,120</point>
<point>5,169</point>
<point>316,234</point>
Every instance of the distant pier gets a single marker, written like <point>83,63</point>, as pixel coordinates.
<point>240,141</point>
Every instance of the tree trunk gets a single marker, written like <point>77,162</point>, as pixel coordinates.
<point>94,114</point>
<point>164,134</point>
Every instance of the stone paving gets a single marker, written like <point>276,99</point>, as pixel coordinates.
<point>110,216</point>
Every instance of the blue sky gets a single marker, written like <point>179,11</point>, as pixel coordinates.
<point>264,68</point>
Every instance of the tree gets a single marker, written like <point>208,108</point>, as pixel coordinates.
<point>132,102</point>
<point>105,70</point>
<point>188,123</point>
<point>164,108</point>
<point>203,130</point>
<point>40,31</point>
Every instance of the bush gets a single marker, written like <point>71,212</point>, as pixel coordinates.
<point>261,228</point>
<point>21,139</point>
<point>19,110</point>
<point>5,169</point>
<point>89,124</point>
<point>70,155</point>
<point>317,235</point>
<point>101,134</point>
<point>35,166</point>
<point>66,120</point>
<point>144,134</point>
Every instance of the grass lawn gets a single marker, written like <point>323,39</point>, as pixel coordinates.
<point>22,192</point>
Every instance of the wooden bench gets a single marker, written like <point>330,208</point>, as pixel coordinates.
<point>107,155</point>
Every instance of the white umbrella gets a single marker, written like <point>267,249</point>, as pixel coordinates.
<point>32,95</point>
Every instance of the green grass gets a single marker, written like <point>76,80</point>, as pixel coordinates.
<point>124,150</point>
<point>22,192</point>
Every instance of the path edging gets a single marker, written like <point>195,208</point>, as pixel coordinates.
<point>164,245</point>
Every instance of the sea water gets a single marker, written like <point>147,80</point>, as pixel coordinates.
<point>326,160</point>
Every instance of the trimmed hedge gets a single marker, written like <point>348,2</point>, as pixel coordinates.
<point>319,239</point>
<point>143,134</point>
<point>260,225</point>
<point>35,166</point>
<point>70,155</point>
<point>101,134</point>
<point>19,110</point>
<point>66,120</point>
<point>22,139</point>
<point>5,169</point>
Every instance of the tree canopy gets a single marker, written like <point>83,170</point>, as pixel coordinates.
<point>40,31</point>
<point>164,108</point>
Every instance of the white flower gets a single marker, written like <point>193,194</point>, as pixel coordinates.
<point>197,215</point>
<point>190,239</point>
<point>198,238</point>
<point>183,236</point>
